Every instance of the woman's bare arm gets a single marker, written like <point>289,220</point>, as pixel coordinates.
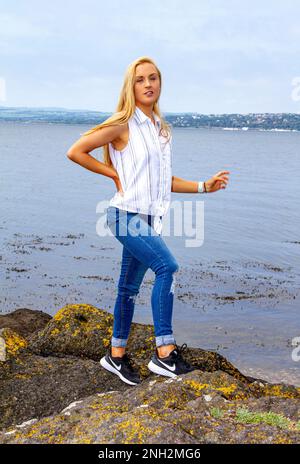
<point>217,182</point>
<point>184,186</point>
<point>79,151</point>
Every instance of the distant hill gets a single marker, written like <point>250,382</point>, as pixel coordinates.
<point>234,121</point>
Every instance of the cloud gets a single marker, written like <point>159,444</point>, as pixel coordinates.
<point>209,52</point>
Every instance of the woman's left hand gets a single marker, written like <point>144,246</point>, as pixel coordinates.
<point>217,182</point>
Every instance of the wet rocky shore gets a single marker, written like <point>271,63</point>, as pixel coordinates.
<point>246,310</point>
<point>53,389</point>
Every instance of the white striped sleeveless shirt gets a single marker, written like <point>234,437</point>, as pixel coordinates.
<point>144,168</point>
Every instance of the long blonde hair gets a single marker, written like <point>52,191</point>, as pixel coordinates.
<point>126,105</point>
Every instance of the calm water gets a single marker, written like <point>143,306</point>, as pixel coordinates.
<point>52,255</point>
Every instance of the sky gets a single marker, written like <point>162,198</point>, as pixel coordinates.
<point>215,56</point>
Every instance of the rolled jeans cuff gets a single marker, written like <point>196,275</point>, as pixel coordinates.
<point>118,341</point>
<point>165,340</point>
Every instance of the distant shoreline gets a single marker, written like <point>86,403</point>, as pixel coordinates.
<point>278,122</point>
<point>73,123</point>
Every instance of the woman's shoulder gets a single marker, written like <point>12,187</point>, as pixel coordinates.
<point>121,141</point>
<point>118,119</point>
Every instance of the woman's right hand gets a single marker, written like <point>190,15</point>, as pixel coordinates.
<point>118,184</point>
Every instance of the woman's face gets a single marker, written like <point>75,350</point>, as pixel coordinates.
<point>146,79</point>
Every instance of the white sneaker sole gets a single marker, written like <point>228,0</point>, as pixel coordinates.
<point>110,368</point>
<point>159,370</point>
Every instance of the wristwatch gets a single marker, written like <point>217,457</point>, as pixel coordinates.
<point>201,187</point>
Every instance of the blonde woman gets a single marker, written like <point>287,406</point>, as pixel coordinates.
<point>137,148</point>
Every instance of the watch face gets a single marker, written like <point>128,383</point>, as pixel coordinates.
<point>200,187</point>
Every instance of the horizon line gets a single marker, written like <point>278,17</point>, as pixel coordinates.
<point>111,112</point>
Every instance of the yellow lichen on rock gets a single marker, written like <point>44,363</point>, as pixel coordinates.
<point>81,308</point>
<point>281,391</point>
<point>76,329</point>
<point>198,387</point>
<point>55,331</point>
<point>135,431</point>
<point>226,390</point>
<point>106,342</point>
<point>12,343</point>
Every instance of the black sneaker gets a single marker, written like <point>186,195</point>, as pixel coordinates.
<point>172,365</point>
<point>122,366</point>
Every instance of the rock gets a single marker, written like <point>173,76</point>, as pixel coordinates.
<point>85,331</point>
<point>53,390</point>
<point>24,321</point>
<point>37,386</point>
<point>79,330</point>
<point>11,344</point>
<point>153,412</point>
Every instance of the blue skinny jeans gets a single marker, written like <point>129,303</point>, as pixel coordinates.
<point>143,248</point>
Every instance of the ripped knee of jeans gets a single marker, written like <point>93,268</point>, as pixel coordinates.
<point>172,289</point>
<point>132,297</point>
<point>129,294</point>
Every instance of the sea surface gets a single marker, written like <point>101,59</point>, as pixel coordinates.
<point>237,291</point>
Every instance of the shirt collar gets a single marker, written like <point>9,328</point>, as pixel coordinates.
<point>141,117</point>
